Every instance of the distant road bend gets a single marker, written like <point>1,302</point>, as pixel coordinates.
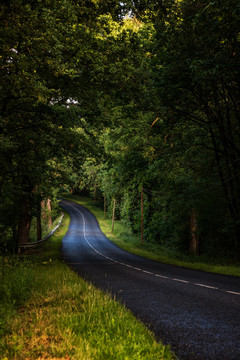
<point>197,313</point>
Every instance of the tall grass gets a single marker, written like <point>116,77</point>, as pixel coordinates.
<point>57,315</point>
<point>15,287</point>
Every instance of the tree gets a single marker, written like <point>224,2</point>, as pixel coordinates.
<point>197,82</point>
<point>41,44</point>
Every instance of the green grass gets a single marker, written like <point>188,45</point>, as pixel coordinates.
<point>123,237</point>
<point>48,312</point>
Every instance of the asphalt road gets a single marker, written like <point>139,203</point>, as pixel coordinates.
<point>197,313</point>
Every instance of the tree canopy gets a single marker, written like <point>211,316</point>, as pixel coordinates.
<point>115,96</point>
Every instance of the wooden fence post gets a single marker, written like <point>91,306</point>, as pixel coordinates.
<point>113,215</point>
<point>142,215</point>
<point>104,206</point>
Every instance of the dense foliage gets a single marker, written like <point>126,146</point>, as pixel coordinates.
<point>115,97</point>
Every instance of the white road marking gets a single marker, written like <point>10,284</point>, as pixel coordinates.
<point>180,280</point>
<point>206,286</point>
<point>232,292</point>
<point>142,270</point>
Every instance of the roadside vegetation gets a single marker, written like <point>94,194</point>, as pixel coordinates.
<point>48,312</point>
<point>124,238</point>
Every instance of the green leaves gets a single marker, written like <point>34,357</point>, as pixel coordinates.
<point>90,96</point>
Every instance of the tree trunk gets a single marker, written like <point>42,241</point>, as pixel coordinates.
<point>95,193</point>
<point>15,236</point>
<point>113,214</point>
<point>105,207</point>
<point>142,215</point>
<point>49,210</point>
<point>43,209</point>
<point>194,241</point>
<point>39,221</point>
<point>24,220</point>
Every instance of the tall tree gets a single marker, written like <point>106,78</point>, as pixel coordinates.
<point>198,81</point>
<point>47,66</point>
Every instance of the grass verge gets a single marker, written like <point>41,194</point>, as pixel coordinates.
<point>123,237</point>
<point>48,312</point>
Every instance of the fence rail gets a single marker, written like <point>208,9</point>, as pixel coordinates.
<point>36,243</point>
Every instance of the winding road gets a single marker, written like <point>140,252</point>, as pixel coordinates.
<point>197,313</point>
